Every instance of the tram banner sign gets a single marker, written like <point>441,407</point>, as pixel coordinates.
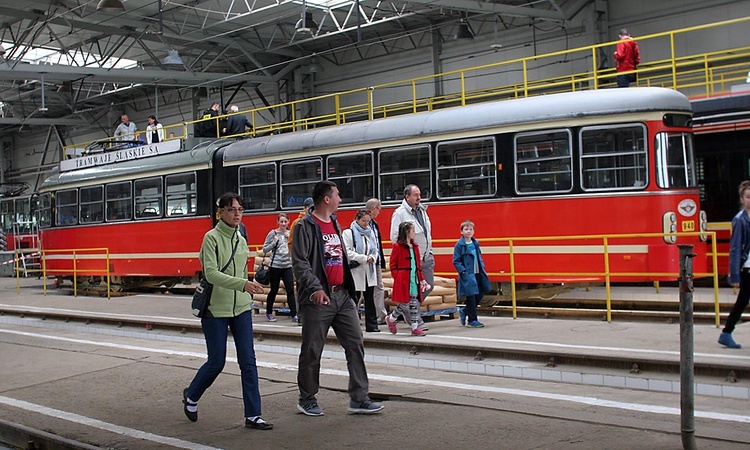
<point>126,154</point>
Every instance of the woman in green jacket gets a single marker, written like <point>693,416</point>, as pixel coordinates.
<point>230,308</point>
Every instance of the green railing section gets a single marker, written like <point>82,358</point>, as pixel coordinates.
<point>666,61</point>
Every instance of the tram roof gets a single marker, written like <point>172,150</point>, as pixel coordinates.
<point>538,109</point>
<point>199,157</point>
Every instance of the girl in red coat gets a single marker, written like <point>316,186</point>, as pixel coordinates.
<point>408,282</point>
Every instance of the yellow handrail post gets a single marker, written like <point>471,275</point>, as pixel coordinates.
<point>75,275</point>
<point>463,89</point>
<point>414,96</point>
<point>370,103</point>
<point>18,271</point>
<point>512,278</point>
<point>674,61</point>
<point>44,270</point>
<point>337,106</point>
<point>714,259</point>
<point>607,279</point>
<point>708,76</point>
<point>593,61</point>
<point>108,278</point>
<point>657,286</point>
<point>294,116</point>
<point>525,80</point>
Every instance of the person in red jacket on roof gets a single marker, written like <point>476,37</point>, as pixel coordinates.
<point>627,58</point>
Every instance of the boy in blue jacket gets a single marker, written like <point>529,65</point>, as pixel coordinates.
<point>473,281</point>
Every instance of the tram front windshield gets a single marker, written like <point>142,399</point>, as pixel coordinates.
<point>675,161</point>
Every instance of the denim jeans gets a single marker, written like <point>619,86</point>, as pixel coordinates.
<point>216,331</point>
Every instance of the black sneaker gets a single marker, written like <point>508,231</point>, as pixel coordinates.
<point>258,424</point>
<point>366,407</point>
<point>191,415</point>
<point>310,409</point>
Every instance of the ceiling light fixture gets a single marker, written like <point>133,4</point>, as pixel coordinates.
<point>173,58</point>
<point>464,31</point>
<point>110,5</point>
<point>313,66</point>
<point>306,24</point>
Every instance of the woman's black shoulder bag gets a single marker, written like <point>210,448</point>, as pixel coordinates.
<point>202,296</point>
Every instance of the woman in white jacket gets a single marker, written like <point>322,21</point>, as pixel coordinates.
<point>363,255</point>
<point>154,131</point>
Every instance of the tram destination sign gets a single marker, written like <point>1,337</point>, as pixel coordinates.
<point>126,154</point>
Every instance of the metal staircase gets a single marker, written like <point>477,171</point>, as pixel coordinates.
<point>26,246</point>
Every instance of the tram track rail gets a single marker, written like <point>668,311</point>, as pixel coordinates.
<point>20,436</point>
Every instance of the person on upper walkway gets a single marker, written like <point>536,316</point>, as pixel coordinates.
<point>627,58</point>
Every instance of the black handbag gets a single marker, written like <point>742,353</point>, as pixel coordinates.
<point>263,272</point>
<point>202,295</point>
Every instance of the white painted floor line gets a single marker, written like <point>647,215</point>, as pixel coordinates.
<point>101,425</point>
<point>592,401</point>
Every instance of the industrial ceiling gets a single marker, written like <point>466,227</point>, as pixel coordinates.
<point>60,58</point>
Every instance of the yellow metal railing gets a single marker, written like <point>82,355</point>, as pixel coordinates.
<point>696,74</point>
<point>516,244</point>
<point>76,253</point>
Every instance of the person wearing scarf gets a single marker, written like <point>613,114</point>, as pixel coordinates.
<point>363,254</point>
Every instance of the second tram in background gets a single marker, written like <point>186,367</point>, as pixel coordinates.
<point>588,163</point>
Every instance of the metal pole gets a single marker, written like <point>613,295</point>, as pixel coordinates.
<point>687,382</point>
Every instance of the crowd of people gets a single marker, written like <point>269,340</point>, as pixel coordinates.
<point>326,273</point>
<point>233,125</point>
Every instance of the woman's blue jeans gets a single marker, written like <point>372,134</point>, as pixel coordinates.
<point>216,331</point>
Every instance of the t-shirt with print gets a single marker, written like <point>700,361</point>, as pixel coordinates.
<point>334,251</point>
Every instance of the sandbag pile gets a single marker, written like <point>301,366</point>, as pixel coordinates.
<point>259,300</point>
<point>442,299</point>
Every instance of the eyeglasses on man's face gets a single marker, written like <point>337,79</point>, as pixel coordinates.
<point>235,210</point>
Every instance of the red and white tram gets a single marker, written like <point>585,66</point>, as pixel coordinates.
<point>586,163</point>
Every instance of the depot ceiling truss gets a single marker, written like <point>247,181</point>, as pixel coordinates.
<point>254,40</point>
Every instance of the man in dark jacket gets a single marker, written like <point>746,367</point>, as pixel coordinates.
<point>236,123</point>
<point>325,290</point>
<point>207,126</point>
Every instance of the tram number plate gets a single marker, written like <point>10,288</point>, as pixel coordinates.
<point>688,225</point>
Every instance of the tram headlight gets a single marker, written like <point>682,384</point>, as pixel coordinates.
<point>703,225</point>
<point>669,225</point>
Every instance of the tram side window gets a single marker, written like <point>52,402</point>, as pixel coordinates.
<point>257,183</point>
<point>675,161</point>
<point>44,209</point>
<point>119,201</point>
<point>181,194</point>
<point>23,214</point>
<point>353,175</point>
<point>148,198</point>
<point>297,181</point>
<point>92,204</point>
<point>544,162</point>
<point>6,211</point>
<point>613,158</point>
<point>67,207</point>
<point>402,166</point>
<point>466,168</point>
